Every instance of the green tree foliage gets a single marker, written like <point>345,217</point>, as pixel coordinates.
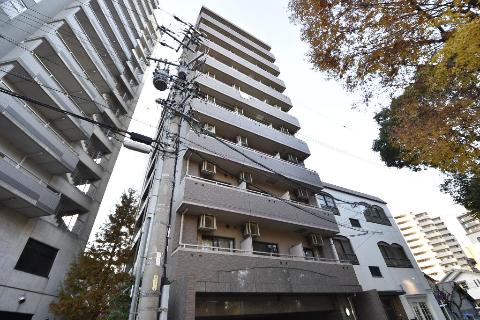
<point>97,285</point>
<point>426,56</point>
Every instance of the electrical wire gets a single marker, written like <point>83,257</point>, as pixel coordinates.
<point>75,96</point>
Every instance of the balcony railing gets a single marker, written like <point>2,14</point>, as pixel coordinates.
<point>260,254</point>
<point>18,165</point>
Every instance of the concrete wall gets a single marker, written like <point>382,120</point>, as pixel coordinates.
<point>64,72</point>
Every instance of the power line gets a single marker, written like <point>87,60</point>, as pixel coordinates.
<point>266,191</point>
<point>75,96</point>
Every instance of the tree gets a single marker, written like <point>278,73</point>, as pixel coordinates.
<point>426,56</point>
<point>97,285</point>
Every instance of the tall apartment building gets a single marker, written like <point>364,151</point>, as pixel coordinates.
<point>240,232</point>
<point>471,225</point>
<point>249,238</point>
<point>83,57</point>
<point>383,263</point>
<point>436,250</point>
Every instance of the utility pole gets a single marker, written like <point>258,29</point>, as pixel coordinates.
<point>153,274</point>
<point>151,281</point>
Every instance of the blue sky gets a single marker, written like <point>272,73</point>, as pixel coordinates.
<point>339,136</point>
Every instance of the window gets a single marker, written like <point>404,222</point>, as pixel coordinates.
<point>13,8</point>
<point>265,248</point>
<point>355,223</point>
<point>37,258</point>
<point>421,311</point>
<point>344,250</point>
<point>327,202</point>
<point>375,214</point>
<point>394,255</point>
<point>218,243</point>
<point>375,271</point>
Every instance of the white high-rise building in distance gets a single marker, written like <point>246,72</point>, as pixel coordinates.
<point>435,249</point>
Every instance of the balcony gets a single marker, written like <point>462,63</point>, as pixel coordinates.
<point>209,197</point>
<point>238,49</point>
<point>229,58</point>
<point>236,271</point>
<point>232,96</point>
<point>262,137</point>
<point>26,75</point>
<point>254,88</point>
<point>31,135</point>
<point>122,23</point>
<point>22,191</point>
<point>236,36</point>
<point>219,151</point>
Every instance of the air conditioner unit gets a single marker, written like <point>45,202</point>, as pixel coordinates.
<point>208,169</point>
<point>251,229</point>
<point>238,110</point>
<point>315,240</point>
<point>207,223</point>
<point>209,127</point>
<point>301,194</point>
<point>292,158</point>
<point>246,176</point>
<point>242,141</point>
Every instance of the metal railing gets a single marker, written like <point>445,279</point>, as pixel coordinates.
<point>18,166</point>
<point>259,254</point>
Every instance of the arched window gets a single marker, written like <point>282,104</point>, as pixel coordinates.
<point>326,201</point>
<point>394,255</point>
<point>344,249</point>
<point>376,214</point>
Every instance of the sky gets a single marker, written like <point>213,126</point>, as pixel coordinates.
<point>339,136</point>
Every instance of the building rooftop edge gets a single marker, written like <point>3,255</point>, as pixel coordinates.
<point>352,192</point>
<point>208,10</point>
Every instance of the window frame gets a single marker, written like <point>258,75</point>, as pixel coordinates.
<point>394,255</point>
<point>375,214</point>
<point>31,248</point>
<point>347,253</point>
<point>375,268</point>
<point>355,223</point>
<point>322,198</point>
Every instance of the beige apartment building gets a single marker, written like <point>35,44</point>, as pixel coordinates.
<point>435,249</point>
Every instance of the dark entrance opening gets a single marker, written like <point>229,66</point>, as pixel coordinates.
<point>15,316</point>
<point>280,316</point>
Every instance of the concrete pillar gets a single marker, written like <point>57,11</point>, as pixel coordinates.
<point>297,250</point>
<point>334,250</point>
<point>247,244</point>
<point>368,306</point>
